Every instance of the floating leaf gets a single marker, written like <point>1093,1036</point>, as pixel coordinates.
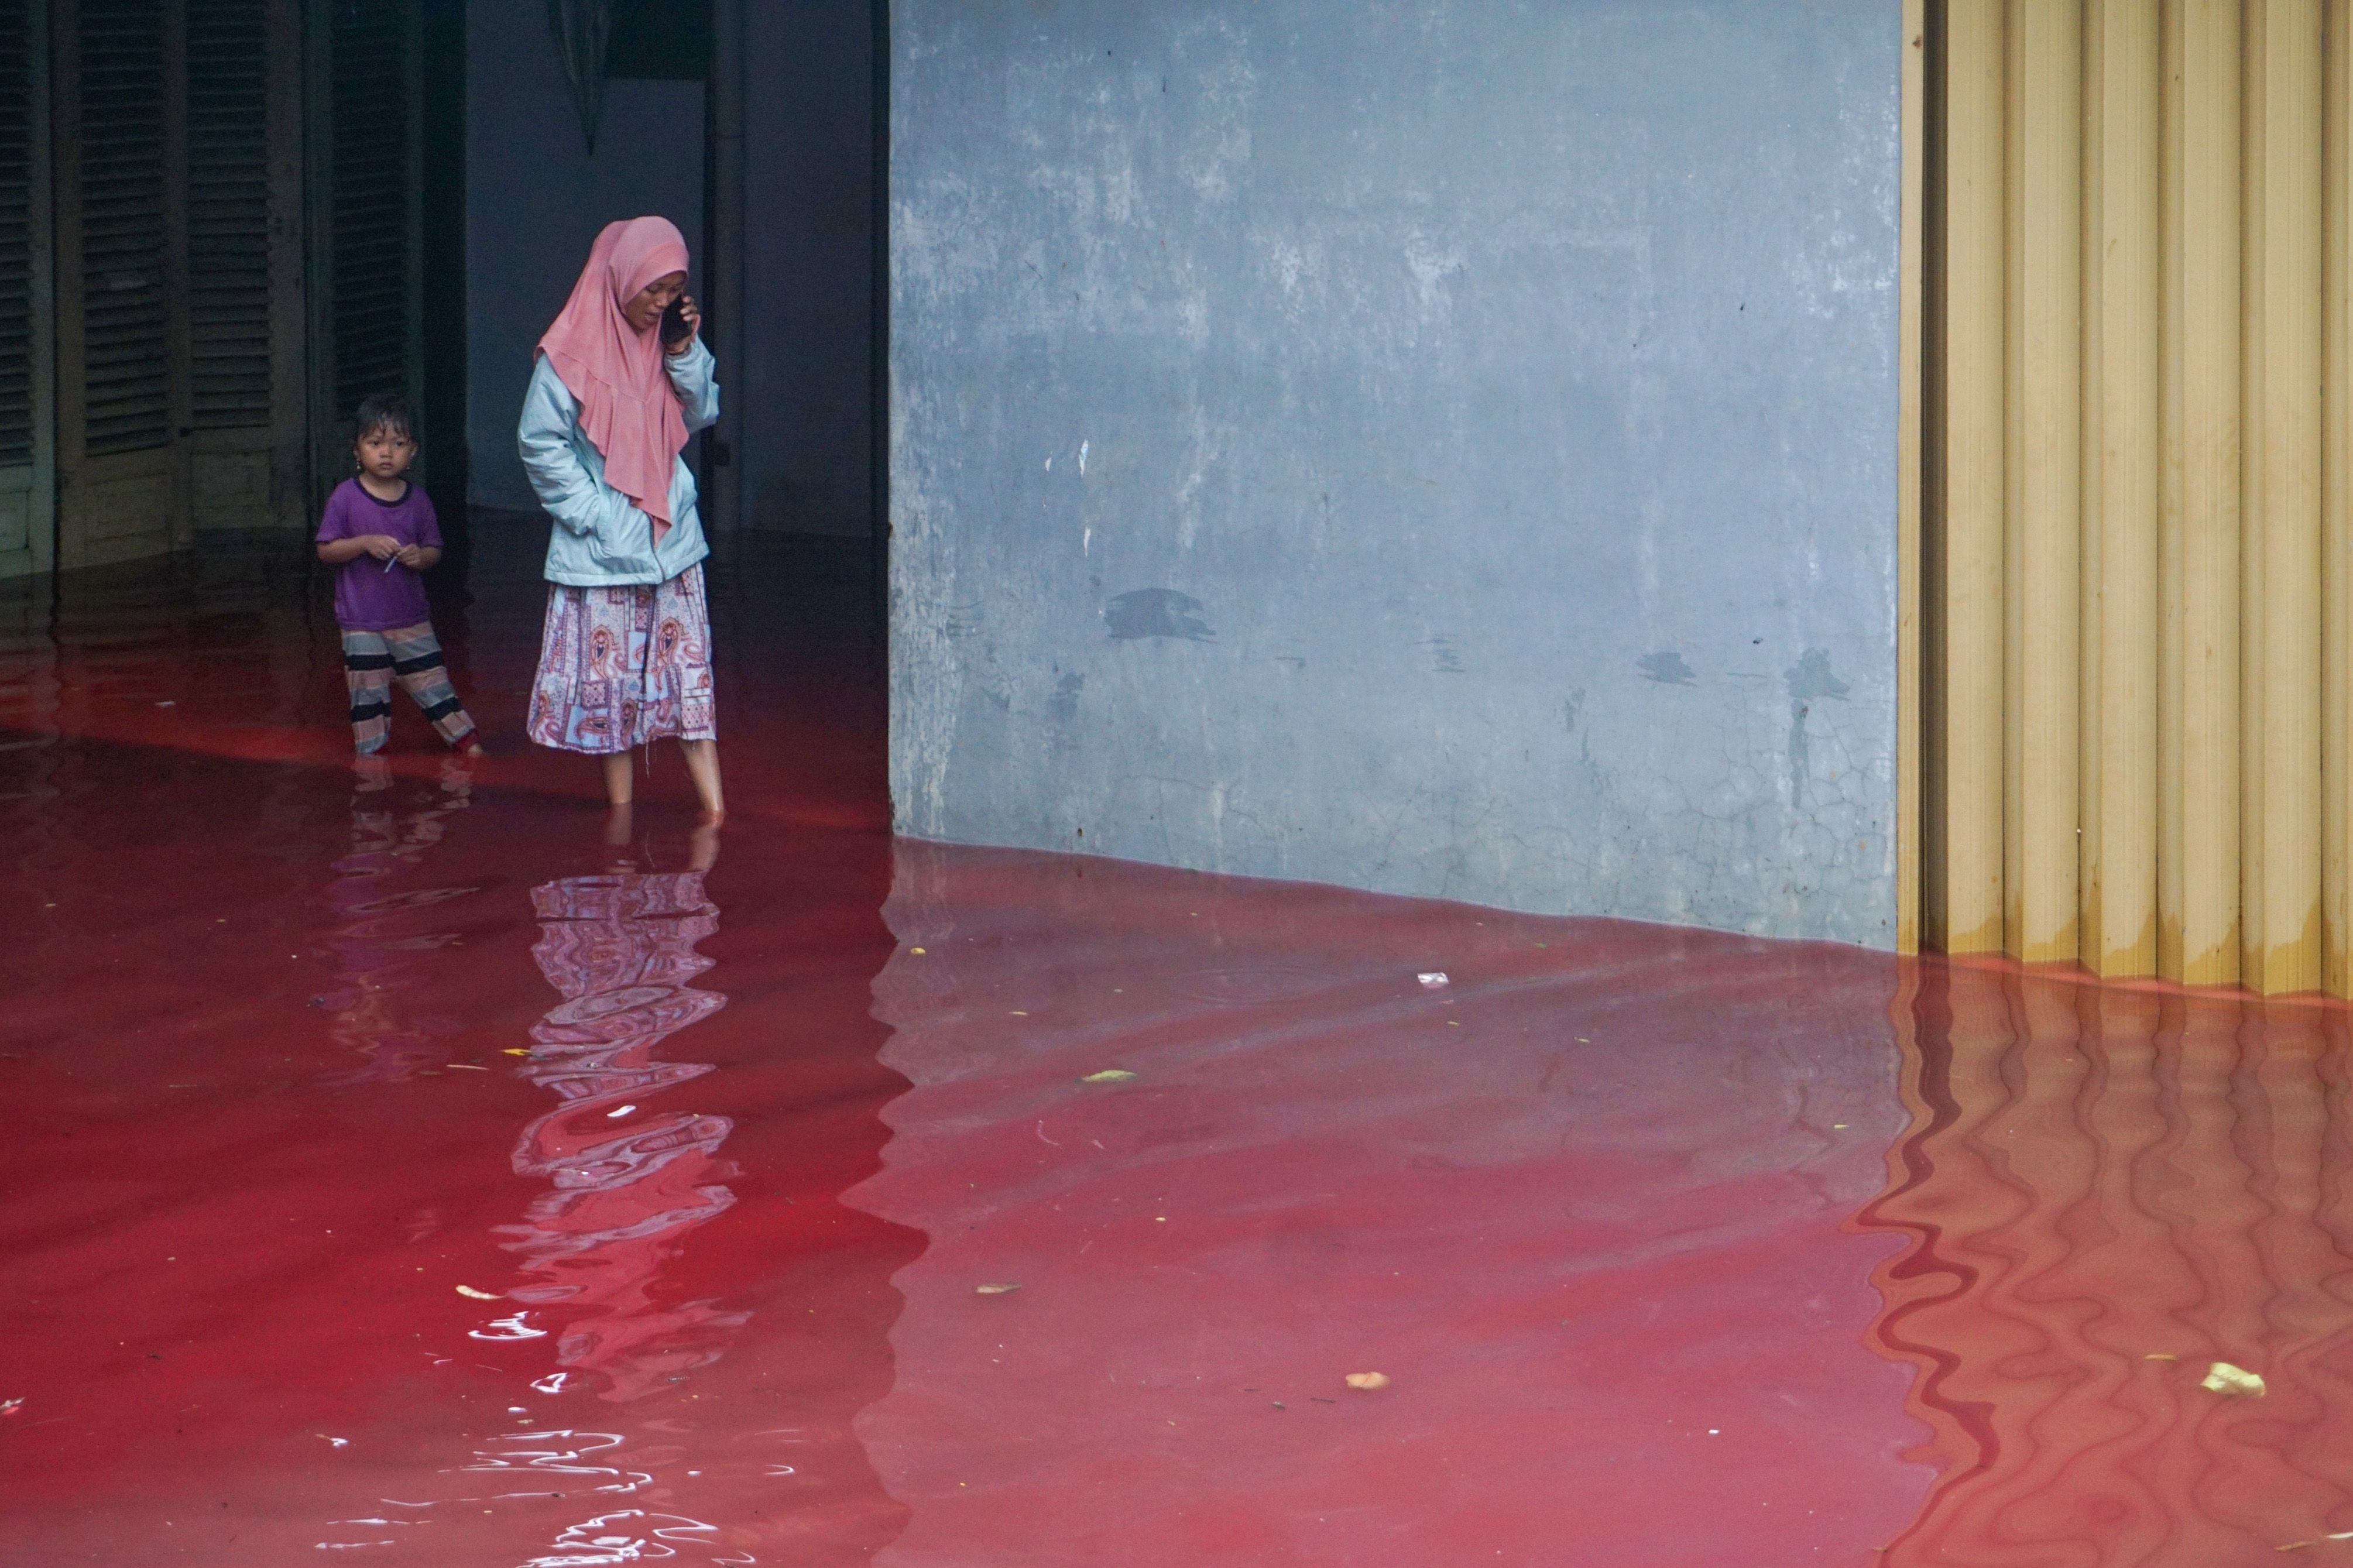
<point>1367,1380</point>
<point>2234,1382</point>
<point>1110,1075</point>
<point>995,1290</point>
<point>476,1295</point>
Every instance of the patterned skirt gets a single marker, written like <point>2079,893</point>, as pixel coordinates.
<point>620,667</point>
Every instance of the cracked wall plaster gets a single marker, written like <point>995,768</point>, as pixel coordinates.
<point>1441,449</point>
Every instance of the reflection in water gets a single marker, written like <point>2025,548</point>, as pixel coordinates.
<point>233,1277</point>
<point>376,960</point>
<point>627,1182</point>
<point>1583,1205</point>
<point>2103,1192</point>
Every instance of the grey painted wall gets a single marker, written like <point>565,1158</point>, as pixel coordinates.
<point>535,201</point>
<point>1437,448</point>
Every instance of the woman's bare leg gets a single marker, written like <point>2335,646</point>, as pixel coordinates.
<point>702,762</point>
<point>703,846</point>
<point>620,781</point>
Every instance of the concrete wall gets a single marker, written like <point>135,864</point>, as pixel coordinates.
<point>1447,450</point>
<point>535,201</point>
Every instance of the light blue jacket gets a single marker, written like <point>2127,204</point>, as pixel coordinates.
<point>601,540</point>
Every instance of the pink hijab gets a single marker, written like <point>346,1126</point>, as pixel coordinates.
<point>627,406</point>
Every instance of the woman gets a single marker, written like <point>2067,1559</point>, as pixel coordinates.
<point>626,656</point>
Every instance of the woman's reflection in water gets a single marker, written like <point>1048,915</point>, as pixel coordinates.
<point>2105,1191</point>
<point>630,1178</point>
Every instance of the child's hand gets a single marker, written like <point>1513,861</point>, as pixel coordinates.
<point>411,556</point>
<point>383,546</point>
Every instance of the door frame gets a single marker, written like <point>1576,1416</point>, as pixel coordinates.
<point>36,480</point>
<point>1910,411</point>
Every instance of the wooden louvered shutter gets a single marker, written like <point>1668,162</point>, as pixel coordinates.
<point>125,228</point>
<point>228,215</point>
<point>26,458</point>
<point>116,84</point>
<point>367,201</point>
<point>243,314</point>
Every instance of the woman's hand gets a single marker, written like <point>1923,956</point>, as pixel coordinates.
<point>692,314</point>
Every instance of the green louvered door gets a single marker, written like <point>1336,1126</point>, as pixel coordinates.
<point>245,325</point>
<point>175,187</point>
<point>118,93</point>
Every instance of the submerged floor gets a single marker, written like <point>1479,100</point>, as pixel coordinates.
<point>412,1163</point>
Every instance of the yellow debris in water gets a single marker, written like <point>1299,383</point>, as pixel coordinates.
<point>1110,1075</point>
<point>995,1290</point>
<point>517,1051</point>
<point>476,1295</point>
<point>2236,1382</point>
<point>1367,1380</point>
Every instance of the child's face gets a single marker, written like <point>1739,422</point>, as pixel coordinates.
<point>384,454</point>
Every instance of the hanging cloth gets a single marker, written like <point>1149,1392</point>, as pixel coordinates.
<point>583,29</point>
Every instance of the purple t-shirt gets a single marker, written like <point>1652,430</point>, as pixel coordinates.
<point>368,596</point>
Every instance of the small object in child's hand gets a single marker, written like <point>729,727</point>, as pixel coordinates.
<point>390,561</point>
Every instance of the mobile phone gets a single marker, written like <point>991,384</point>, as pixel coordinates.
<point>674,329</point>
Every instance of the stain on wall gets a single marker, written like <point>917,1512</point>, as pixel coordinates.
<point>1666,667</point>
<point>1499,402</point>
<point>1156,612</point>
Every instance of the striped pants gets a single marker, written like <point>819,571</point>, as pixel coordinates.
<point>373,660</point>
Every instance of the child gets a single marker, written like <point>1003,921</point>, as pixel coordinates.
<point>380,531</point>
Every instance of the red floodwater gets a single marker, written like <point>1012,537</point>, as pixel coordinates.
<point>409,1164</point>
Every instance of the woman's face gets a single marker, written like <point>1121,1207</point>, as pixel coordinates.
<point>643,310</point>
